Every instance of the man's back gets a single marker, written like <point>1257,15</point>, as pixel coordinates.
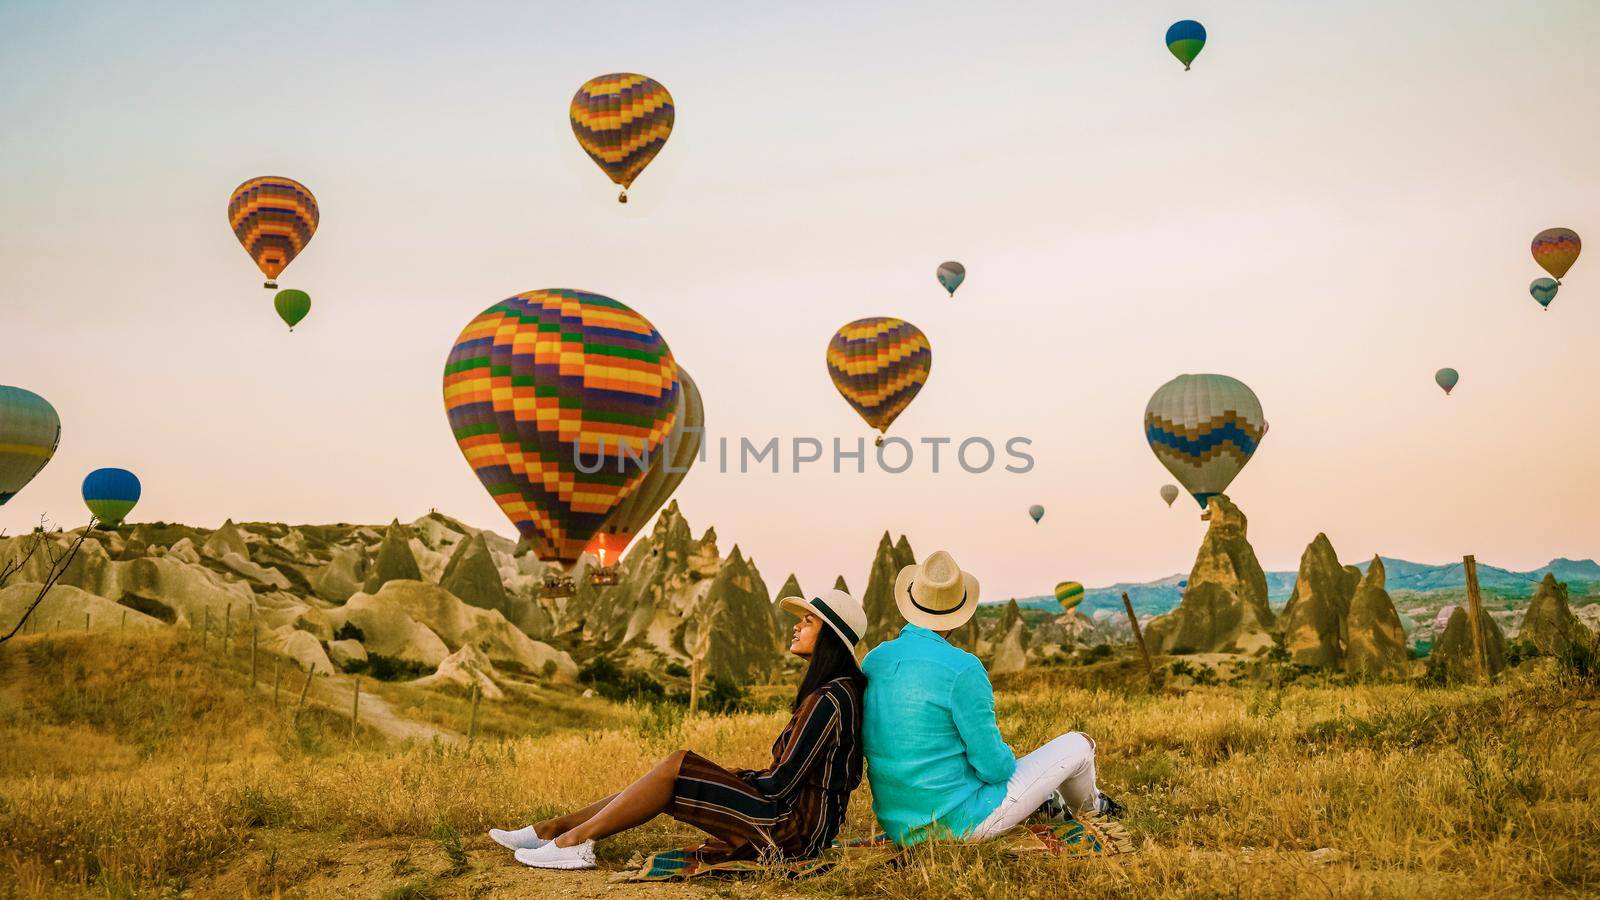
<point>933,750</point>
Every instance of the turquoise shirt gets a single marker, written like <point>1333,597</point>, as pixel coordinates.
<point>935,758</point>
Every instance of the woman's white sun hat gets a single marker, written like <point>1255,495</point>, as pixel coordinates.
<point>838,610</point>
<point>936,595</point>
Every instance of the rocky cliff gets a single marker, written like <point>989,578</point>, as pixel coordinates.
<point>1549,624</point>
<point>1376,642</point>
<point>1453,654</point>
<point>883,614</point>
<point>1314,619</point>
<point>1224,607</point>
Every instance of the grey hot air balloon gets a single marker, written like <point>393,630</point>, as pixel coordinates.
<point>1204,428</point>
<point>1169,493</point>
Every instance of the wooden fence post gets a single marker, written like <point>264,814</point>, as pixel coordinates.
<point>472,725</point>
<point>355,709</point>
<point>252,659</point>
<point>227,628</point>
<point>1475,609</point>
<point>275,680</point>
<point>303,690</point>
<point>86,621</point>
<point>1138,637</point>
<point>124,626</point>
<point>205,629</point>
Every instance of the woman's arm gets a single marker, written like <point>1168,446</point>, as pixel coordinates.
<point>816,725</point>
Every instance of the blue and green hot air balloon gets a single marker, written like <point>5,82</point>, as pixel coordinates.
<point>1186,39</point>
<point>110,494</point>
<point>1544,290</point>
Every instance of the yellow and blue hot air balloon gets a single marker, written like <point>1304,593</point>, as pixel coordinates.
<point>1543,291</point>
<point>950,275</point>
<point>273,218</point>
<point>558,399</point>
<point>1204,428</point>
<point>622,121</point>
<point>1555,250</point>
<point>111,494</point>
<point>1186,39</point>
<point>1446,378</point>
<point>1036,512</point>
<point>879,364</point>
<point>1069,594</point>
<point>29,433</point>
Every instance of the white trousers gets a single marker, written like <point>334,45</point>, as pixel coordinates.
<point>1066,763</point>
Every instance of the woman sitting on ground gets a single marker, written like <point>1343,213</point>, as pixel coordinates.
<point>790,810</point>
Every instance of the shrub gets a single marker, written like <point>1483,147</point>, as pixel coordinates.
<point>1096,653</point>
<point>349,632</point>
<point>387,668</point>
<point>677,670</point>
<point>621,685</point>
<point>724,696</point>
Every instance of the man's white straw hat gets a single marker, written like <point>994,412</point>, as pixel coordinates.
<point>936,595</point>
<point>837,610</point>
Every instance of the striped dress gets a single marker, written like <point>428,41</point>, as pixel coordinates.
<point>792,809</point>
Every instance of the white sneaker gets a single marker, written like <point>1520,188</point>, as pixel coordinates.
<point>578,856</point>
<point>521,839</point>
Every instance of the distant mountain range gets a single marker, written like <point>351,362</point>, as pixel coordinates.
<point>1152,598</point>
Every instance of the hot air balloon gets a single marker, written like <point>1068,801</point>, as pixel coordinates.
<point>622,121</point>
<point>1446,378</point>
<point>1169,493</point>
<point>1069,594</point>
<point>558,399</point>
<point>950,275</point>
<point>110,495</point>
<point>1036,512</point>
<point>1555,250</point>
<point>1544,290</point>
<point>667,470</point>
<point>274,218</point>
<point>29,433</point>
<point>292,306</point>
<point>1186,39</point>
<point>879,365</point>
<point>1204,428</point>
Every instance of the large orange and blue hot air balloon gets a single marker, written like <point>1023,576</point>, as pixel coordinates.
<point>30,430</point>
<point>1555,250</point>
<point>1185,40</point>
<point>622,121</point>
<point>111,494</point>
<point>1204,428</point>
<point>878,365</point>
<point>274,218</point>
<point>558,399</point>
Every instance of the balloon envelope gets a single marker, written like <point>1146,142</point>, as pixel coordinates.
<point>29,433</point>
<point>1036,512</point>
<point>1204,428</point>
<point>292,306</point>
<point>1555,250</point>
<point>274,219</point>
<point>544,381</point>
<point>950,275</point>
<point>1069,594</point>
<point>111,494</point>
<point>879,365</point>
<point>1544,290</point>
<point>1446,378</point>
<point>622,121</point>
<point>668,466</point>
<point>1185,40</point>
<point>1169,493</point>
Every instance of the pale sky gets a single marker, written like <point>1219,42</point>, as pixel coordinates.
<point>1334,203</point>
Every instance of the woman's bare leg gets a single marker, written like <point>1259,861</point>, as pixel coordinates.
<point>549,828</point>
<point>637,804</point>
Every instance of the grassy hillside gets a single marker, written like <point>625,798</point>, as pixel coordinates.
<point>146,767</point>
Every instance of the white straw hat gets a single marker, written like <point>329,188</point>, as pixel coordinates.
<point>936,595</point>
<point>837,610</point>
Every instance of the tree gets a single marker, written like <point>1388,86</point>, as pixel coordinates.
<point>59,561</point>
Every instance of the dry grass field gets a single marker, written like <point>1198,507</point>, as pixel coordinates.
<point>146,767</point>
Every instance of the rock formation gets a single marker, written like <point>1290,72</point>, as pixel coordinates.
<point>464,668</point>
<point>1452,654</point>
<point>883,614</point>
<point>1314,620</point>
<point>455,624</point>
<point>1224,608</point>
<point>394,559</point>
<point>839,585</point>
<point>782,622</point>
<point>1011,653</point>
<point>343,575</point>
<point>67,608</point>
<point>303,648</point>
<point>225,540</point>
<point>473,575</point>
<point>386,629</point>
<point>1376,641</point>
<point>743,611</point>
<point>1549,624</point>
<point>343,653</point>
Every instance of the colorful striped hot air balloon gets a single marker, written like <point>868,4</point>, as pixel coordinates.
<point>29,433</point>
<point>1555,250</point>
<point>1169,493</point>
<point>879,365</point>
<point>1204,428</point>
<point>1036,512</point>
<point>111,494</point>
<point>622,121</point>
<point>1544,290</point>
<point>274,218</point>
<point>1069,594</point>
<point>1446,378</point>
<point>292,306</point>
<point>950,275</point>
<point>545,385</point>
<point>667,470</point>
<point>1185,40</point>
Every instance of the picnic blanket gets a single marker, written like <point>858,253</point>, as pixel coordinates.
<point>1090,837</point>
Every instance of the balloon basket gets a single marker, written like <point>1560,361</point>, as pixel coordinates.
<point>878,441</point>
<point>558,586</point>
<point>605,575</point>
<point>271,285</point>
<point>622,197</point>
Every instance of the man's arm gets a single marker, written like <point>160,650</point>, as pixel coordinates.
<point>972,707</point>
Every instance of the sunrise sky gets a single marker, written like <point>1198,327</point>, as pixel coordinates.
<point>1334,203</point>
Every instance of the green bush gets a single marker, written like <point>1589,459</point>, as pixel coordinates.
<point>677,670</point>
<point>621,685</point>
<point>387,668</point>
<point>349,632</point>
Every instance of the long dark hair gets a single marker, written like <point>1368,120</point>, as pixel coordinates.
<point>829,660</point>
